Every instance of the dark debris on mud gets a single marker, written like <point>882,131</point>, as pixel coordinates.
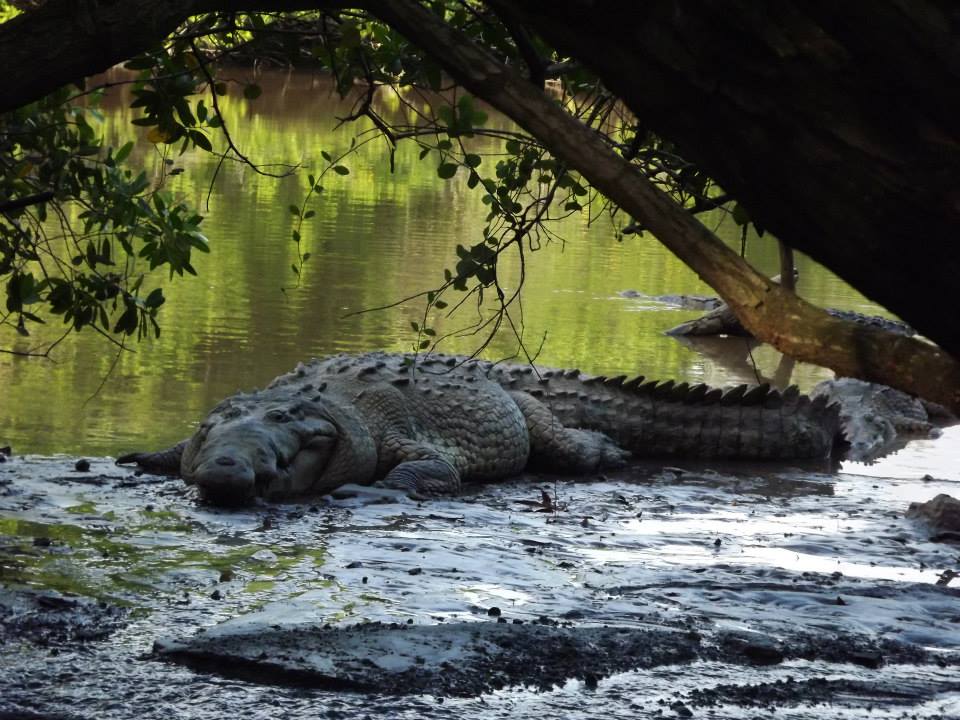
<point>453,660</point>
<point>470,659</point>
<point>45,617</point>
<point>818,691</point>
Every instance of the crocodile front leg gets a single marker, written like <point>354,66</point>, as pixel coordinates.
<point>423,478</point>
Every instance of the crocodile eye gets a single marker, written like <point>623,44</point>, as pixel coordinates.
<point>277,416</point>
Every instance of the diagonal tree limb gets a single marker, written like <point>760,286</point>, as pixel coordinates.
<point>790,324</point>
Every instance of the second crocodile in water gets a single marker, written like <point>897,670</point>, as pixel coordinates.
<point>425,424</point>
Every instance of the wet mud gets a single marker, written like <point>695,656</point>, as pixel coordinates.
<point>672,592</point>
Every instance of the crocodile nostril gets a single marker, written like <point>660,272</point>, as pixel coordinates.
<point>225,460</point>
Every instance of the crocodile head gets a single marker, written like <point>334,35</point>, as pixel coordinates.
<point>264,445</point>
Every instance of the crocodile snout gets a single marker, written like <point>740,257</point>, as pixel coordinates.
<point>225,480</point>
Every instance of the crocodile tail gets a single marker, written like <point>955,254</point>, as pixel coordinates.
<point>667,419</point>
<point>164,462</point>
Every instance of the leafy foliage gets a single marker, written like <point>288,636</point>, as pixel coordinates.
<point>80,229</point>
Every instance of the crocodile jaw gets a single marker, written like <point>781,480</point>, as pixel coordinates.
<point>232,463</point>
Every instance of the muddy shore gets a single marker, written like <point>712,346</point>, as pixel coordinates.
<point>650,592</point>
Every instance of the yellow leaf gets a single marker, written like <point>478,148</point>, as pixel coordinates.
<point>156,135</point>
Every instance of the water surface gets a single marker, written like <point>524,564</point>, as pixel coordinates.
<point>377,237</point>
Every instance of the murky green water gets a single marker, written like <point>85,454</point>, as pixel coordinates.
<point>377,237</point>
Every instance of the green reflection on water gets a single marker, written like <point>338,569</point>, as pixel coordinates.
<point>156,553</point>
<point>377,237</point>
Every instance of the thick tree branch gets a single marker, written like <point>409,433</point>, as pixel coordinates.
<point>833,123</point>
<point>769,312</point>
<point>62,42</point>
<point>26,201</point>
<point>536,66</point>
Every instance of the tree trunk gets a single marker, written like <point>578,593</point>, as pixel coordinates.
<point>788,270</point>
<point>768,312</point>
<point>833,123</point>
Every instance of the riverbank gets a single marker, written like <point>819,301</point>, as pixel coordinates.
<point>744,591</point>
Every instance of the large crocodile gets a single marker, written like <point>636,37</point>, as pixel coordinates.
<point>426,424</point>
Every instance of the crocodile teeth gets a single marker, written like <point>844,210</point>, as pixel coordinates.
<point>633,384</point>
<point>615,381</point>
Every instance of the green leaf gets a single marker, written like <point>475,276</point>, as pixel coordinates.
<point>294,210</point>
<point>123,152</point>
<point>439,304</point>
<point>140,63</point>
<point>415,326</point>
<point>252,91</point>
<point>128,321</point>
<point>446,115</point>
<point>326,156</point>
<point>220,88</point>
<point>446,170</point>
<point>201,140</point>
<point>740,214</point>
<point>472,160</point>
<point>341,170</point>
<point>199,241</point>
<point>349,35</point>
<point>434,76</point>
<point>155,299</point>
<point>424,344</point>
<point>309,214</point>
